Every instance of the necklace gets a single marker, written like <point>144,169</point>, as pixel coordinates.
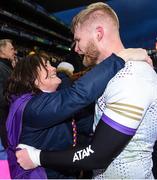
<point>74,128</point>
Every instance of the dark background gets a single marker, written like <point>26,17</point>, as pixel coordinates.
<point>46,23</point>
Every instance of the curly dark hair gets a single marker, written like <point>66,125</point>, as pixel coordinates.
<point>22,79</point>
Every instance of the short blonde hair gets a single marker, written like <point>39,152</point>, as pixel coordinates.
<point>92,11</point>
<point>3,42</point>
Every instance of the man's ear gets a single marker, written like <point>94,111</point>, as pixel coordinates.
<point>100,33</point>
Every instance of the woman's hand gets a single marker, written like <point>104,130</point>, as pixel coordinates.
<point>135,54</point>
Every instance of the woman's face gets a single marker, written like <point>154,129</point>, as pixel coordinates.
<point>47,81</point>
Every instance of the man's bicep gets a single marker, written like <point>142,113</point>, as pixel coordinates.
<point>125,105</point>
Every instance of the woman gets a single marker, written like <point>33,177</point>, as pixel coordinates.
<point>37,109</point>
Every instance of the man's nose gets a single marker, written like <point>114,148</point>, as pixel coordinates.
<point>77,49</point>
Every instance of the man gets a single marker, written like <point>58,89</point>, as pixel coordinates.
<point>6,57</point>
<point>124,128</point>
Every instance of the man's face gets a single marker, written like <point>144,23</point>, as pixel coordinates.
<point>8,51</point>
<point>85,45</point>
<point>47,79</point>
<point>91,54</point>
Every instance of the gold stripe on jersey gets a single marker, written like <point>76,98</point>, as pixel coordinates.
<point>126,110</point>
<point>128,105</point>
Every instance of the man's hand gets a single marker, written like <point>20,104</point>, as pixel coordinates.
<point>28,157</point>
<point>135,54</point>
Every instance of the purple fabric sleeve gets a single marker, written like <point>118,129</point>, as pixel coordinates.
<point>117,126</point>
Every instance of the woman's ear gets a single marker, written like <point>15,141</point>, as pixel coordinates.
<point>100,33</point>
<point>36,82</point>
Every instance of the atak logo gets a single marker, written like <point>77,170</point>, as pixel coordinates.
<point>81,154</point>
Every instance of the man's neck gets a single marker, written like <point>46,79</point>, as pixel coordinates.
<point>112,46</point>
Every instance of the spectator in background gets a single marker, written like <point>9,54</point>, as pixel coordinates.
<point>65,72</point>
<point>7,55</point>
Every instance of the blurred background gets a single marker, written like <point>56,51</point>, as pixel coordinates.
<point>45,25</point>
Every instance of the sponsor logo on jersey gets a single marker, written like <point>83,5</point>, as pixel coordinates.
<point>81,154</point>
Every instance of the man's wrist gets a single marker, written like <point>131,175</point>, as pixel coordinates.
<point>35,156</point>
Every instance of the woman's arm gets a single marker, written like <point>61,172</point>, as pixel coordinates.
<point>55,107</point>
<point>107,144</point>
<point>58,106</point>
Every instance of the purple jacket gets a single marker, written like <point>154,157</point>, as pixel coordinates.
<point>14,126</point>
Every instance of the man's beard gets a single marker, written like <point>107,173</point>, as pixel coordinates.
<point>91,55</point>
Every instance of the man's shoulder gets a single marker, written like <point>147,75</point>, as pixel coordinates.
<point>134,71</point>
<point>4,68</point>
<point>134,79</point>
